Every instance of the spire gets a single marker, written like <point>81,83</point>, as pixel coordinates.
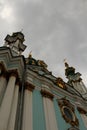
<point>30,54</point>
<point>66,64</point>
<point>15,43</point>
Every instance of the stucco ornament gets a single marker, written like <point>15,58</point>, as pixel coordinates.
<point>68,112</point>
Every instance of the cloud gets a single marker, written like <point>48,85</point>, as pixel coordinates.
<point>53,30</point>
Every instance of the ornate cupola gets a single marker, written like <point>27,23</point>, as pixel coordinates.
<point>75,80</point>
<point>15,43</point>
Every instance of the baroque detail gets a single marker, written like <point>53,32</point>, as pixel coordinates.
<point>68,112</point>
<point>14,73</point>
<point>47,94</point>
<point>60,83</point>
<point>29,86</point>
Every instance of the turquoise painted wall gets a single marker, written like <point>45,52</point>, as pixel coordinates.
<point>62,125</point>
<point>38,112</point>
<point>39,117</point>
<point>81,123</point>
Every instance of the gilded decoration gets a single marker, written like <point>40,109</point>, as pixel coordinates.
<point>60,83</point>
<point>47,94</point>
<point>68,112</point>
<point>29,86</point>
<point>14,73</point>
<point>42,63</point>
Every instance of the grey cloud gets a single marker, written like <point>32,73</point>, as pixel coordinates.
<point>53,30</point>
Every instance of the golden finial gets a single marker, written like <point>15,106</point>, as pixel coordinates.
<point>66,64</point>
<point>30,54</point>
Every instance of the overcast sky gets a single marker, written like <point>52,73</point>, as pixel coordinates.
<point>53,29</point>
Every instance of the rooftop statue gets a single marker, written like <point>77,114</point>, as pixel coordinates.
<point>15,42</point>
<point>75,80</point>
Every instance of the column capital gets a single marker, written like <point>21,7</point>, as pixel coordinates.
<point>47,94</point>
<point>14,73</point>
<point>29,86</point>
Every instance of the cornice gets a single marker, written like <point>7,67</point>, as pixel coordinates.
<point>12,62</point>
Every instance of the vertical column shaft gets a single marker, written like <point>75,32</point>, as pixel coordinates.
<point>11,124</point>
<point>27,108</point>
<point>50,117</point>
<point>7,102</point>
<point>3,83</point>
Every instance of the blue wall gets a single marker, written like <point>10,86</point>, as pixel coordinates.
<point>81,123</point>
<point>38,112</point>
<point>62,125</point>
<point>39,117</point>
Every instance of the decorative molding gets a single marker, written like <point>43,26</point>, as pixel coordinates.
<point>65,104</point>
<point>81,110</point>
<point>61,83</point>
<point>29,86</point>
<point>14,73</point>
<point>11,62</point>
<point>47,94</point>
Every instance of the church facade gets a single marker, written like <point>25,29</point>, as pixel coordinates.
<point>31,98</point>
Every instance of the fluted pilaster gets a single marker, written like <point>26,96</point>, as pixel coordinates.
<point>3,83</point>
<point>27,109</point>
<point>50,117</point>
<point>7,102</point>
<point>11,124</point>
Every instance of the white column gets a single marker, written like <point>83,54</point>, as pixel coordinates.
<point>50,117</point>
<point>27,109</point>
<point>11,124</point>
<point>84,117</point>
<point>3,83</point>
<point>6,104</point>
